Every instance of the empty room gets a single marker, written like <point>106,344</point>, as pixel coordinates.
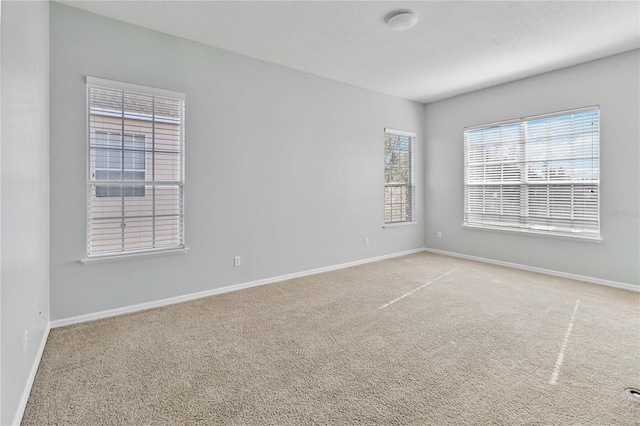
<point>319,212</point>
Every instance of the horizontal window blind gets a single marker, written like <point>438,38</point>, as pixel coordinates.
<point>135,168</point>
<point>538,174</point>
<point>398,176</point>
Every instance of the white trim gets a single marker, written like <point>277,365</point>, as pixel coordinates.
<point>536,232</point>
<point>397,224</point>
<point>120,85</point>
<point>560,274</point>
<point>399,132</point>
<point>532,117</point>
<point>187,297</point>
<point>22,405</point>
<point>132,255</point>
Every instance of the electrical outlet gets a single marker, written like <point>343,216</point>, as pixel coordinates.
<point>26,340</point>
<point>439,234</point>
<point>236,261</point>
<point>366,241</point>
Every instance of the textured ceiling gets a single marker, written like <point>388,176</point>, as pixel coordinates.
<point>456,47</point>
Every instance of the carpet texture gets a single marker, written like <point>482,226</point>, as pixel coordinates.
<point>469,343</point>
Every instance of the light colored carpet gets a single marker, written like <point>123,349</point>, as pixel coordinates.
<point>478,345</point>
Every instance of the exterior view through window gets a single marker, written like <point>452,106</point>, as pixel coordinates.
<point>135,169</point>
<point>538,174</point>
<point>398,176</point>
<point>109,162</point>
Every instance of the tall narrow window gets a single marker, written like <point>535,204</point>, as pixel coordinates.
<point>399,188</point>
<point>538,174</point>
<point>135,187</point>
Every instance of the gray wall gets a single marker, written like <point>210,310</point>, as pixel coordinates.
<point>24,195</point>
<point>613,84</point>
<point>283,168</point>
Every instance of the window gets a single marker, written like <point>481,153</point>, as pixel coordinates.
<point>538,174</point>
<point>398,176</point>
<point>135,188</point>
<point>109,162</point>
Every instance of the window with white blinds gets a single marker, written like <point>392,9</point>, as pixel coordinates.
<point>399,188</point>
<point>135,187</point>
<point>538,174</point>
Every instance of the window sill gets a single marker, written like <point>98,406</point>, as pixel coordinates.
<point>397,224</point>
<point>132,255</point>
<point>535,233</point>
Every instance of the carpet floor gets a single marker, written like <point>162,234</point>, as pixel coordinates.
<point>416,340</point>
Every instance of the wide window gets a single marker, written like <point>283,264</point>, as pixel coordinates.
<point>136,169</point>
<point>399,188</point>
<point>538,174</point>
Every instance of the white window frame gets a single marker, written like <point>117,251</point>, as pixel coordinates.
<point>509,194</point>
<point>149,181</point>
<point>402,211</point>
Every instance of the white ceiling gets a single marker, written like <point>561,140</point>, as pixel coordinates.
<point>456,47</point>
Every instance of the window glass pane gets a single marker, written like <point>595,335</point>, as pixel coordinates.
<point>134,154</point>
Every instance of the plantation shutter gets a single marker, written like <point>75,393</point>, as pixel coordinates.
<point>136,169</point>
<point>539,174</point>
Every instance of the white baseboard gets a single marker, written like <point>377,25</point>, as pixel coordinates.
<point>187,297</point>
<point>22,405</point>
<point>592,280</point>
